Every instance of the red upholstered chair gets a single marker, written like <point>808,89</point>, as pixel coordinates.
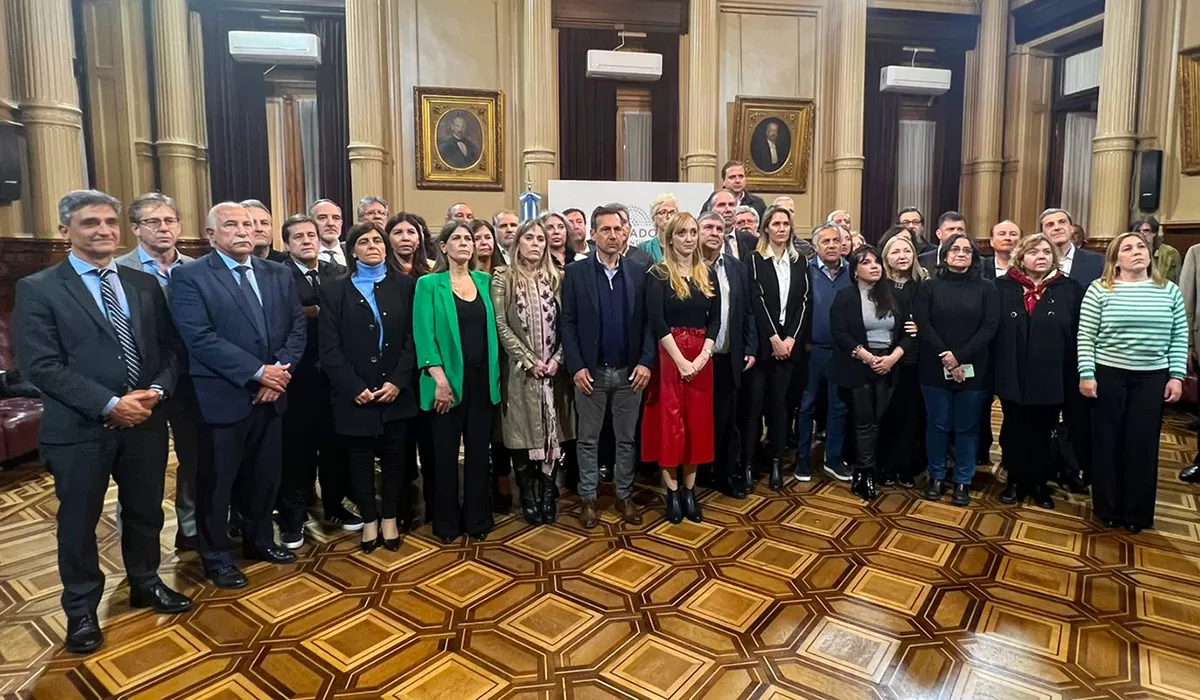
<point>20,418</point>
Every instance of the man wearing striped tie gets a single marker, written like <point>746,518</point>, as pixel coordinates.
<point>98,340</point>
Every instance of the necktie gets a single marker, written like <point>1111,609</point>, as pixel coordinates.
<point>120,324</point>
<point>728,245</point>
<point>256,309</point>
<point>314,279</point>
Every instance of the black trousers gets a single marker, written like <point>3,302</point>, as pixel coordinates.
<point>392,445</point>
<point>772,394</point>
<point>311,447</point>
<point>1078,421</point>
<point>136,458</point>
<point>726,437</point>
<point>1127,418</point>
<point>420,444</point>
<point>241,464</point>
<point>868,404</point>
<point>1028,432</point>
<point>469,424</point>
<point>901,446</point>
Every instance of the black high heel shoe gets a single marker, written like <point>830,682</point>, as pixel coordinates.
<point>368,546</point>
<point>393,545</point>
<point>691,509</point>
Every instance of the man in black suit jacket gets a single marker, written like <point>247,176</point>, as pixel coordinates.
<point>740,243</point>
<point>733,354</point>
<point>98,341</point>
<point>310,444</point>
<point>949,223</point>
<point>1083,266</point>
<point>245,332</point>
<point>264,231</point>
<point>457,149</point>
<point>733,179</point>
<point>609,355</point>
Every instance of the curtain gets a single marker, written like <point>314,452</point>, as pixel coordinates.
<point>881,116</point>
<point>235,99</point>
<point>664,105</point>
<point>587,109</point>
<point>333,114</point>
<point>639,139</point>
<point>914,188</point>
<point>1078,132</point>
<point>310,145</point>
<point>948,151</point>
<point>292,145</point>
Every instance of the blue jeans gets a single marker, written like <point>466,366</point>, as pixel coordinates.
<point>835,423</point>
<point>954,412</point>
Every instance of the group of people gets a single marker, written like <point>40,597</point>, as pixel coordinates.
<point>533,348</point>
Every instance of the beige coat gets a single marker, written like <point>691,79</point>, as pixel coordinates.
<point>1189,285</point>
<point>521,419</point>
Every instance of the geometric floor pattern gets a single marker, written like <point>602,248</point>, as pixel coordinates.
<point>808,593</point>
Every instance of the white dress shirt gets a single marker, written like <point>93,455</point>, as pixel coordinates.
<point>334,254</point>
<point>722,341</point>
<point>783,273</point>
<point>1067,261</point>
<point>774,153</point>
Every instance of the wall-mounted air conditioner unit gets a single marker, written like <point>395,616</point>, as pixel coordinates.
<point>911,80</point>
<point>275,48</point>
<point>624,65</point>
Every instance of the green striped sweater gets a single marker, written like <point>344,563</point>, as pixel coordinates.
<point>1134,325</point>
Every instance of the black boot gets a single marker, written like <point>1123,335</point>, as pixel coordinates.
<point>1071,483</point>
<point>962,495</point>
<point>1041,497</point>
<point>862,484</point>
<point>933,491</point>
<point>869,486</point>
<point>549,484</point>
<point>1010,493</point>
<point>776,481</point>
<point>689,506</point>
<point>674,507</point>
<point>530,489</point>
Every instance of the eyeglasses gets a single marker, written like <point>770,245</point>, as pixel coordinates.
<point>158,223</point>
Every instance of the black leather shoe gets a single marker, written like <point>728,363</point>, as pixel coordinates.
<point>228,576</point>
<point>1071,483</point>
<point>161,599</point>
<point>691,509</point>
<point>962,495</point>
<point>447,539</point>
<point>674,507</point>
<point>481,536</point>
<point>776,479</point>
<point>392,545</point>
<point>1133,529</point>
<point>367,546</point>
<point>83,634</point>
<point>529,489</point>
<point>549,500</point>
<point>1010,493</point>
<point>905,481</point>
<point>1191,475</point>
<point>1042,499</point>
<point>887,479</point>
<point>275,555</point>
<point>933,491</point>
<point>1112,524</point>
<point>183,543</point>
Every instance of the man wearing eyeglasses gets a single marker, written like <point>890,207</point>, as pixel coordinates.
<point>155,220</point>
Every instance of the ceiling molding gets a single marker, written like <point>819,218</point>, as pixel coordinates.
<point>1040,18</point>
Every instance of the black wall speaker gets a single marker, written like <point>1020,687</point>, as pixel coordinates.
<point>10,163</point>
<point>1150,181</point>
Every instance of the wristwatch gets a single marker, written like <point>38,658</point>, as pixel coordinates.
<point>162,394</point>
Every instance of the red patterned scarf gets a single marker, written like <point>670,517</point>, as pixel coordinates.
<point>1033,291</point>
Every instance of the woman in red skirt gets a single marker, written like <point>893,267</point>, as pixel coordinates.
<point>683,311</point>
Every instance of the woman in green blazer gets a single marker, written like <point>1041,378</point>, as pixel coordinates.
<point>454,329</point>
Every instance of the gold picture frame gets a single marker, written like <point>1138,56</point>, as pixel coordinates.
<point>772,137</point>
<point>459,138</point>
<point>1188,89</point>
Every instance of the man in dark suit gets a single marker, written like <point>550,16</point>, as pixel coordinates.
<point>733,353</point>
<point>244,330</point>
<point>98,341</point>
<point>949,223</point>
<point>733,178</point>
<point>769,148</point>
<point>606,351</point>
<point>155,220</point>
<point>310,445</point>
<point>457,149</point>
<point>264,231</point>
<point>1085,267</point>
<point>739,243</point>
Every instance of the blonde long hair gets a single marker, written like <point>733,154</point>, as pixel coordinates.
<point>1110,262</point>
<point>519,279</point>
<point>764,236</point>
<point>917,273</point>
<point>672,271</point>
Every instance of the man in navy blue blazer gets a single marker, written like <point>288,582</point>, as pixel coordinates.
<point>609,356</point>
<point>241,321</point>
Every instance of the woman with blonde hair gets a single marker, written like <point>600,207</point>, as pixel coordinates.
<point>901,432</point>
<point>683,312</point>
<point>537,414</point>
<point>1133,347</point>
<point>1033,351</point>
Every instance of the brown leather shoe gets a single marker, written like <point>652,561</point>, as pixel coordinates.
<point>629,512</point>
<point>588,517</point>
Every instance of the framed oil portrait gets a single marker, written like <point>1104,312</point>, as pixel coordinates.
<point>460,139</point>
<point>773,137</point>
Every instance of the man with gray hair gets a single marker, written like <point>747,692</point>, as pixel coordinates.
<point>155,220</point>
<point>373,209</point>
<point>264,231</point>
<point>506,222</point>
<point>328,216</point>
<point>98,340</point>
<point>745,218</point>
<point>460,211</point>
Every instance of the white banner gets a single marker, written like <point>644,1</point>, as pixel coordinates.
<point>589,194</point>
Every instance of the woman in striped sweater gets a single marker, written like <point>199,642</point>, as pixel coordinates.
<point>1132,357</point>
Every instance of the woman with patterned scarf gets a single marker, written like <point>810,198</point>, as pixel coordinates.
<point>538,412</point>
<point>1034,362</point>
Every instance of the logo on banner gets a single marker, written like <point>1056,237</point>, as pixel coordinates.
<point>641,226</point>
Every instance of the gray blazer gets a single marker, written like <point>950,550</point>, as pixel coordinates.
<point>134,261</point>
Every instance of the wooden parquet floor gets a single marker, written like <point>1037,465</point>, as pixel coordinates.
<point>804,594</point>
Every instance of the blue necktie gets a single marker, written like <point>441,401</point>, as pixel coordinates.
<point>120,324</point>
<point>256,309</point>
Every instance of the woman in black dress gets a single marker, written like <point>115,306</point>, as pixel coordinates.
<point>366,346</point>
<point>867,323</point>
<point>901,450</point>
